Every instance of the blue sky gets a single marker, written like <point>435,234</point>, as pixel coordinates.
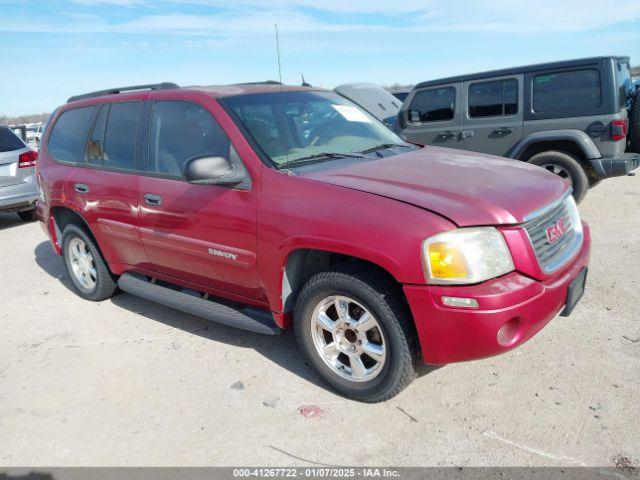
<point>54,49</point>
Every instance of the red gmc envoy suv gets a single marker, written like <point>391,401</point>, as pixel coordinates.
<point>265,207</point>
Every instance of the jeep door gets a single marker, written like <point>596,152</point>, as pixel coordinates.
<point>432,116</point>
<point>492,114</point>
<point>202,234</point>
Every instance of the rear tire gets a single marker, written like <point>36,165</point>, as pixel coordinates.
<point>28,215</point>
<point>634,124</point>
<point>340,354</point>
<point>88,271</point>
<point>567,167</point>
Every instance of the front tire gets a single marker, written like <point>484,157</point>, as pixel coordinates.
<point>87,269</point>
<point>357,332</point>
<point>567,168</point>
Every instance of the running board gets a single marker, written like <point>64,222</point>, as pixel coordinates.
<point>253,320</point>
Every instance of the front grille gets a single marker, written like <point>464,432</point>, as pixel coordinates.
<point>552,256</point>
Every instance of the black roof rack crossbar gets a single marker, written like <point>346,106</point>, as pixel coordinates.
<point>111,91</point>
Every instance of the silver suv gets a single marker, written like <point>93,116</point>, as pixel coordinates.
<point>569,117</point>
<point>18,187</point>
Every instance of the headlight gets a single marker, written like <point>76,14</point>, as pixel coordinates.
<point>466,255</point>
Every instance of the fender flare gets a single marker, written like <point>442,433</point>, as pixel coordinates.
<point>580,138</point>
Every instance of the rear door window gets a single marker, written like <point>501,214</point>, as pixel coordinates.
<point>436,104</point>
<point>68,137</point>
<point>120,134</point>
<point>9,141</point>
<point>494,98</point>
<point>566,91</point>
<point>180,131</point>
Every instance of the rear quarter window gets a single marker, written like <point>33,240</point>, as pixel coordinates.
<point>68,136</point>
<point>567,91</point>
<point>9,141</point>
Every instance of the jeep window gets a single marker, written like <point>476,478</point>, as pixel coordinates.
<point>66,142</point>
<point>9,141</point>
<point>433,105</point>
<point>181,130</point>
<point>562,91</point>
<point>493,99</point>
<point>294,125</point>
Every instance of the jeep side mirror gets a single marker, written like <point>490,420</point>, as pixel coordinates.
<point>212,171</point>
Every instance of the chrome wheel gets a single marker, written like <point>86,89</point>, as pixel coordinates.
<point>82,263</point>
<point>560,171</point>
<point>348,338</point>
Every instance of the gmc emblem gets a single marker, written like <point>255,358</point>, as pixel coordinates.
<point>555,231</point>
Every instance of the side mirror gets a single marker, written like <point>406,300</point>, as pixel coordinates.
<point>212,171</point>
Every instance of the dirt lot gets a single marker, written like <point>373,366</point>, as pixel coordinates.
<point>128,382</point>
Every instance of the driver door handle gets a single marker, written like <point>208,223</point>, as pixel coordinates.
<point>448,134</point>
<point>152,200</point>
<point>503,131</point>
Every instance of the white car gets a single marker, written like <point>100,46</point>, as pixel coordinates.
<point>18,186</point>
<point>373,98</point>
<point>37,134</point>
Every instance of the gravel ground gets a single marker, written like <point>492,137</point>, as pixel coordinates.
<point>127,382</point>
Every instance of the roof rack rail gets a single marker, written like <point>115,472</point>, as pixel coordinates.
<point>111,91</point>
<point>264,82</point>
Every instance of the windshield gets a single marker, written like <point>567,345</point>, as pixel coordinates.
<point>290,126</point>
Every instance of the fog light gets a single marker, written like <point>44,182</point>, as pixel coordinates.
<point>508,333</point>
<point>460,302</point>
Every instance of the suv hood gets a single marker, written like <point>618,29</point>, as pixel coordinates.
<point>468,188</point>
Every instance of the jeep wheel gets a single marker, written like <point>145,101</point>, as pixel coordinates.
<point>567,168</point>
<point>634,124</point>
<point>88,271</point>
<point>357,332</point>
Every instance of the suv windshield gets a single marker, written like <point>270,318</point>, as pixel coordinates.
<point>310,125</point>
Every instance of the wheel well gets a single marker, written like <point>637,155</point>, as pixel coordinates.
<point>65,216</point>
<point>565,146</point>
<point>302,264</point>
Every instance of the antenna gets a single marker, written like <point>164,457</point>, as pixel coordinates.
<point>278,51</point>
<point>286,139</point>
<point>304,82</point>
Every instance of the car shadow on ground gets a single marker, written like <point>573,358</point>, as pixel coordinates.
<point>281,349</point>
<point>8,220</point>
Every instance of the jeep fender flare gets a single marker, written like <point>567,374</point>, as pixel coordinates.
<point>579,138</point>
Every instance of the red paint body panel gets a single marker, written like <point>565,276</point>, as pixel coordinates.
<point>379,211</point>
<point>456,334</point>
<point>110,208</point>
<point>467,187</point>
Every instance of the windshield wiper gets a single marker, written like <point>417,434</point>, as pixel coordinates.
<point>319,157</point>
<point>385,146</point>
